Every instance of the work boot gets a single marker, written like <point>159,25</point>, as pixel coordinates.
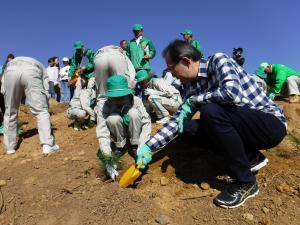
<point>236,194</point>
<point>120,151</point>
<point>91,124</point>
<point>76,126</point>
<point>47,149</point>
<point>132,151</point>
<point>293,98</point>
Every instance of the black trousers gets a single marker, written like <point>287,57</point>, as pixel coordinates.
<point>237,133</point>
<point>2,106</point>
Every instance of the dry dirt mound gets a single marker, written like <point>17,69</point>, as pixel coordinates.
<point>69,188</point>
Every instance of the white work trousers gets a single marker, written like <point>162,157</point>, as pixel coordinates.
<point>22,77</point>
<point>119,132</point>
<point>293,85</point>
<point>112,60</point>
<point>163,105</point>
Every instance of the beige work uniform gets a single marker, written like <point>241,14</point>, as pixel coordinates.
<point>110,126</point>
<point>25,75</point>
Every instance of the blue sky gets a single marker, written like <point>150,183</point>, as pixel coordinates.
<point>268,30</point>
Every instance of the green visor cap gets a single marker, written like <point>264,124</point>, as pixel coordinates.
<point>261,70</point>
<point>117,86</point>
<point>78,45</point>
<point>141,75</point>
<point>187,31</point>
<point>260,73</point>
<point>137,26</point>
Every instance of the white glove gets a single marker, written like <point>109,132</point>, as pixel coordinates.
<point>150,91</point>
<point>112,172</point>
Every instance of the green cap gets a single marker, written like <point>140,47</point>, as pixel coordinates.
<point>261,70</point>
<point>78,45</point>
<point>187,31</point>
<point>141,75</point>
<point>137,26</point>
<point>117,86</point>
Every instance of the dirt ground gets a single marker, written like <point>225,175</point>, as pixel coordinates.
<point>69,187</point>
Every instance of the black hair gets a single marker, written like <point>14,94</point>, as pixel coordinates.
<point>179,49</point>
<point>50,60</point>
<point>122,41</point>
<point>10,56</point>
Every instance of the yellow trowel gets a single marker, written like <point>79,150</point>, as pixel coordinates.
<point>130,176</point>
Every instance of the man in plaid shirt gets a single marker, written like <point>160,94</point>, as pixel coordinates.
<point>237,118</point>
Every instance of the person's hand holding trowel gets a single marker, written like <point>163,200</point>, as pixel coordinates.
<point>144,156</point>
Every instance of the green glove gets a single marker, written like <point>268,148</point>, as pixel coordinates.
<point>144,156</point>
<point>272,96</point>
<point>125,119</point>
<point>186,113</point>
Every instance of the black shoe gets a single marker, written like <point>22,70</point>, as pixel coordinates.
<point>132,151</point>
<point>120,151</point>
<point>259,162</point>
<point>236,195</point>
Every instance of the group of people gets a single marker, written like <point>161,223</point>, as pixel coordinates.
<point>115,90</point>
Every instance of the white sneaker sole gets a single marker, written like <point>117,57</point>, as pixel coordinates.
<point>232,207</point>
<point>10,152</point>
<point>260,165</point>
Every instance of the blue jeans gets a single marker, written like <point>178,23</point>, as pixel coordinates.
<point>65,91</point>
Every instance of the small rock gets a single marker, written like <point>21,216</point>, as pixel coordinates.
<point>265,210</point>
<point>248,216</point>
<point>153,195</point>
<point>284,188</point>
<point>81,153</point>
<point>25,161</point>
<point>163,220</point>
<point>164,181</point>
<point>277,201</point>
<point>2,183</point>
<point>265,221</point>
<point>76,158</point>
<point>66,159</point>
<point>204,186</point>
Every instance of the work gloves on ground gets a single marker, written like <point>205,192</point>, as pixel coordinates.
<point>112,171</point>
<point>144,156</point>
<point>186,113</point>
<point>272,96</point>
<point>110,162</point>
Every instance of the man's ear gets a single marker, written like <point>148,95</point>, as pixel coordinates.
<point>186,61</point>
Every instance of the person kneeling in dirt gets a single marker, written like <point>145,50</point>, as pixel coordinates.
<point>281,80</point>
<point>124,120</point>
<point>82,106</point>
<point>237,118</point>
<point>161,96</point>
<point>25,75</point>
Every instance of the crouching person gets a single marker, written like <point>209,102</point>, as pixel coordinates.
<point>122,124</point>
<point>82,107</point>
<point>162,97</point>
<point>25,75</point>
<point>237,118</point>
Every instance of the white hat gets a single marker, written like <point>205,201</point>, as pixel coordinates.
<point>65,59</point>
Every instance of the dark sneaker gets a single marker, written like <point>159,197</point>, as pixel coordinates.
<point>236,195</point>
<point>259,162</point>
<point>120,151</point>
<point>132,151</point>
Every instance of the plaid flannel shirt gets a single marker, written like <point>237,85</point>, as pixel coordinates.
<point>220,80</point>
